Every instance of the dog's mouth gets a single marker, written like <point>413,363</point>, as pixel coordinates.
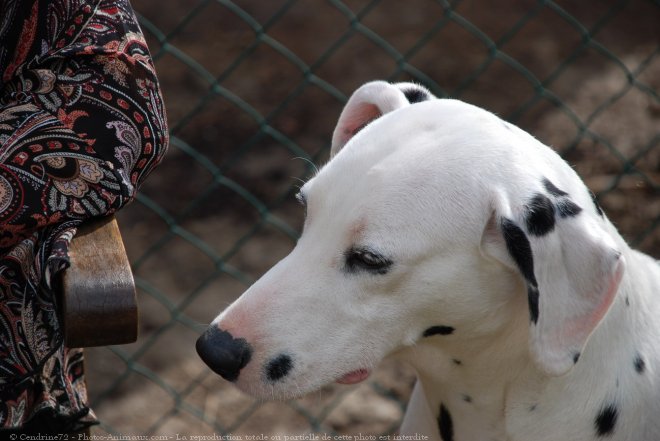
<point>354,377</point>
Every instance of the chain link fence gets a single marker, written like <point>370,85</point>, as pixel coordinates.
<point>253,89</point>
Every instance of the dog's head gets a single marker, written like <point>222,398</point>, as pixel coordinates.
<point>433,217</point>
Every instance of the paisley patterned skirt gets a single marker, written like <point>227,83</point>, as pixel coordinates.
<point>82,123</point>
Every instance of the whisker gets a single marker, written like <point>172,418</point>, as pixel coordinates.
<point>316,170</point>
<point>302,181</point>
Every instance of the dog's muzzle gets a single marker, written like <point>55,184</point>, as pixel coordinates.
<point>223,353</point>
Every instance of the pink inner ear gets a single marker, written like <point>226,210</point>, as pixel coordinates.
<point>557,339</point>
<point>603,301</point>
<point>360,116</point>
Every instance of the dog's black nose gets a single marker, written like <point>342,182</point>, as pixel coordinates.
<point>223,353</point>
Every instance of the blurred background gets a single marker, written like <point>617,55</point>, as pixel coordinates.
<point>253,89</point>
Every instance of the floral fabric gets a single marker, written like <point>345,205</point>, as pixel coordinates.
<point>82,123</point>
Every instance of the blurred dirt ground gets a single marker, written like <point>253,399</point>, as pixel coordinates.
<point>600,110</point>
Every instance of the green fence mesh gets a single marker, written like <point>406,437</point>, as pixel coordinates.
<point>253,89</point>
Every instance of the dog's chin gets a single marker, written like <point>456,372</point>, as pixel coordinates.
<point>293,387</point>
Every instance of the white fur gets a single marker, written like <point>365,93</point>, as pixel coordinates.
<point>426,185</point>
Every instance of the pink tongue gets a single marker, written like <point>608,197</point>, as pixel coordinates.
<point>354,377</point>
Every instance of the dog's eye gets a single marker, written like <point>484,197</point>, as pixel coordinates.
<point>366,259</point>
<point>300,197</point>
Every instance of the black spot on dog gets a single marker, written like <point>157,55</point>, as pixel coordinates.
<point>415,95</point>
<point>568,208</point>
<point>606,420</point>
<point>576,357</point>
<point>533,301</point>
<point>520,250</point>
<point>596,204</point>
<point>552,189</point>
<point>456,361</point>
<point>640,365</point>
<point>467,398</point>
<point>445,424</point>
<point>438,330</point>
<point>278,367</point>
<point>565,206</point>
<point>627,301</point>
<point>540,217</point>
<point>532,408</point>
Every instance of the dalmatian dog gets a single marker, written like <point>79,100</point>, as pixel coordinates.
<point>444,236</point>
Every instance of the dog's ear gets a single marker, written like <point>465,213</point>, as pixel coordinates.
<point>570,265</point>
<point>370,102</point>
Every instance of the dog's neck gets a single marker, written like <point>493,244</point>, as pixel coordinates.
<point>471,378</point>
<point>485,380</point>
